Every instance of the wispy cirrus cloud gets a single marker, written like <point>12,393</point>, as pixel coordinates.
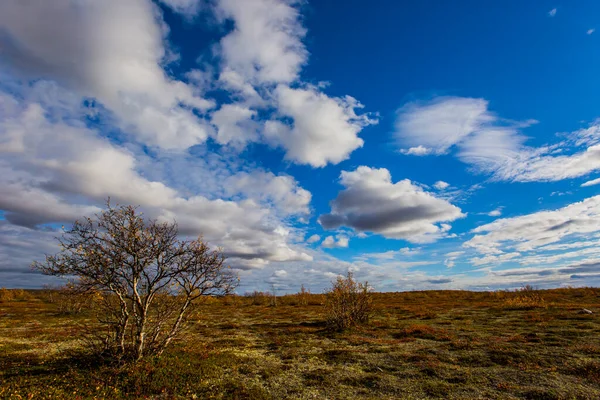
<point>531,231</point>
<point>492,145</point>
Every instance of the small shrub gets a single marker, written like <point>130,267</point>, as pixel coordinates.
<point>228,300</point>
<point>303,296</point>
<point>525,298</point>
<point>348,303</point>
<point>6,295</point>
<point>257,298</point>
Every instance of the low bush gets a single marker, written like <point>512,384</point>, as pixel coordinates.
<point>7,295</point>
<point>348,303</point>
<point>302,296</point>
<point>257,298</point>
<point>525,298</point>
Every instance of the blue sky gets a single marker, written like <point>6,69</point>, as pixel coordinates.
<point>422,145</point>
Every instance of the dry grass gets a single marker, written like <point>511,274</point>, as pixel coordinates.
<point>418,345</point>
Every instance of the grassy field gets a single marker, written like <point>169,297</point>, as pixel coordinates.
<point>436,344</point>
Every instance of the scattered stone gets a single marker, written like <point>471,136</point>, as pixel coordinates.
<point>585,311</point>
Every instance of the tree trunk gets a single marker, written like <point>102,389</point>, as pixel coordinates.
<point>174,328</point>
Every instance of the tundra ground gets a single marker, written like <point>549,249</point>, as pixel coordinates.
<point>418,345</point>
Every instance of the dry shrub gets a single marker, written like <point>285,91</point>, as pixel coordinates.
<point>231,300</point>
<point>7,295</point>
<point>302,296</point>
<point>257,298</point>
<point>348,303</point>
<point>525,298</point>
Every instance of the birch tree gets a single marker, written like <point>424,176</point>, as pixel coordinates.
<point>145,278</point>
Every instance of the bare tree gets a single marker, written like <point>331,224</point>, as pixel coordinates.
<point>145,276</point>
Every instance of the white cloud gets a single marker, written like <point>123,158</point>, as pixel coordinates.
<point>90,108</point>
<point>586,136</point>
<point>441,185</point>
<point>56,171</point>
<point>450,260</point>
<point>417,151</point>
<point>235,125</point>
<point>115,52</point>
<point>391,254</point>
<point>314,238</point>
<point>590,31</point>
<point>280,191</point>
<point>280,273</point>
<point>325,129</point>
<point>494,258</point>
<point>591,183</point>
<point>265,45</point>
<point>338,241</point>
<point>261,59</point>
<point>239,87</point>
<point>490,144</point>
<point>552,12</point>
<point>528,232</point>
<point>401,210</point>
<point>531,165</point>
<point>186,7</point>
<point>436,126</point>
<point>495,213</point>
<point>549,259</point>
<point>112,51</point>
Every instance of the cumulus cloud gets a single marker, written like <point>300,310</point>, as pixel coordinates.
<point>57,170</point>
<point>265,44</point>
<point>338,241</point>
<point>441,185</point>
<point>281,191</point>
<point>496,212</point>
<point>116,53</point>
<point>262,58</point>
<point>314,238</point>
<point>235,125</point>
<point>112,51</point>
<point>325,129</point>
<point>402,210</point>
<point>490,144</point>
